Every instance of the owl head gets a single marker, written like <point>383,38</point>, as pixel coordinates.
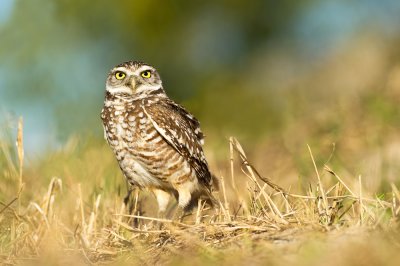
<point>133,78</point>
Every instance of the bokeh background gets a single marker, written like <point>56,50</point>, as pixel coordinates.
<point>278,75</point>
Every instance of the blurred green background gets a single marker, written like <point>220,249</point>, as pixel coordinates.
<point>275,74</point>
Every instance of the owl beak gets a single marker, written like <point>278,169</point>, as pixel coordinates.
<point>133,82</point>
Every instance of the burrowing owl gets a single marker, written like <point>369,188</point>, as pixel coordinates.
<point>158,144</point>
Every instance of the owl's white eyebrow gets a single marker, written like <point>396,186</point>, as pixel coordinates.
<point>123,69</point>
<point>143,68</point>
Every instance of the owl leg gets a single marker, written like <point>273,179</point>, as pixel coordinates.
<point>162,200</point>
<point>129,188</point>
<point>184,200</point>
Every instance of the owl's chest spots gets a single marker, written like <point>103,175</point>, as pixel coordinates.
<point>126,126</point>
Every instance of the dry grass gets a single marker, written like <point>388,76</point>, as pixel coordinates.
<point>73,221</point>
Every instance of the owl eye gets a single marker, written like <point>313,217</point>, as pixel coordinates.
<point>146,74</point>
<point>120,75</point>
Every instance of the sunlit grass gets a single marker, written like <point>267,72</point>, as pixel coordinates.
<point>70,210</point>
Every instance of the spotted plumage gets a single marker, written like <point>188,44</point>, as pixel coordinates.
<point>158,144</point>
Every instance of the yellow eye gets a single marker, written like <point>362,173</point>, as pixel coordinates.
<point>146,74</point>
<point>119,75</point>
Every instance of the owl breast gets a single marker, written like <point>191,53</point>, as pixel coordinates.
<point>145,158</point>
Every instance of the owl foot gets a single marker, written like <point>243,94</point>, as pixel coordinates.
<point>130,188</point>
<point>127,197</point>
<point>180,215</point>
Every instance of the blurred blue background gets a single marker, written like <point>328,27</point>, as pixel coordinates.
<point>245,68</point>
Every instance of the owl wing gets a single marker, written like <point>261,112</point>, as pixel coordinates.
<point>194,123</point>
<point>182,131</point>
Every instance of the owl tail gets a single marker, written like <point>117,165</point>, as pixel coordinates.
<point>210,199</point>
<point>205,193</point>
<point>208,193</point>
<point>214,183</point>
